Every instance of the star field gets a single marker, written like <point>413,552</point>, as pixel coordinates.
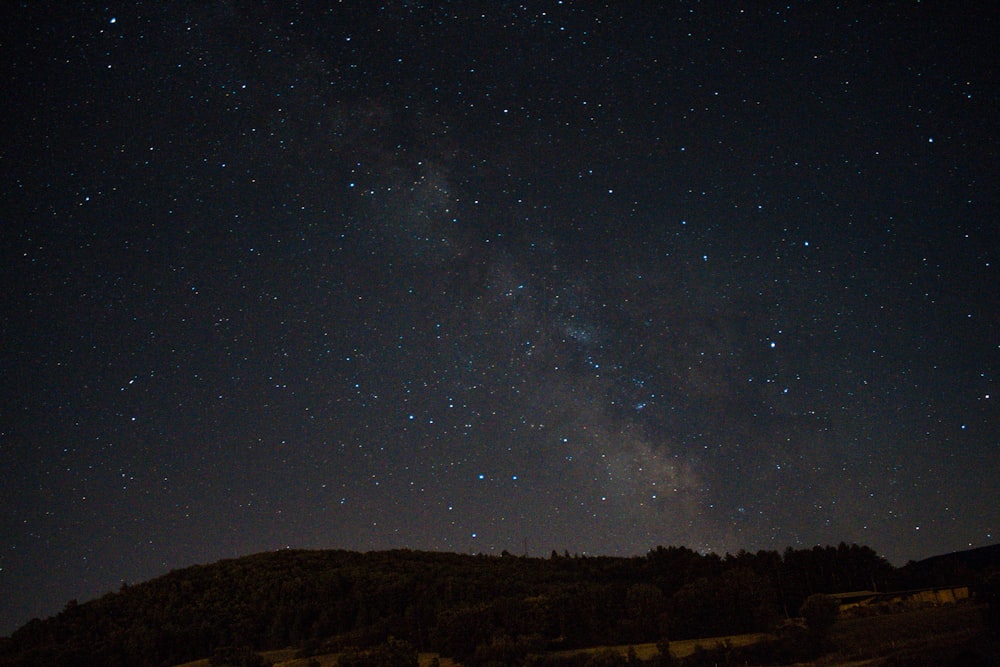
<point>489,276</point>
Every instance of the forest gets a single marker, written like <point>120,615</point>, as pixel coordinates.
<point>474,609</point>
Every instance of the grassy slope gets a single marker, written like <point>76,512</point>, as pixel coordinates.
<point>905,635</point>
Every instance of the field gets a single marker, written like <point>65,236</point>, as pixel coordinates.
<point>929,636</point>
<point>925,637</point>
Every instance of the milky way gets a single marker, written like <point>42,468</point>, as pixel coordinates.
<point>491,276</point>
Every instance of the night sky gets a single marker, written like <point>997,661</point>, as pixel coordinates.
<point>482,276</point>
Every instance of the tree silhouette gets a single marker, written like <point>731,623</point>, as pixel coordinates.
<point>820,612</point>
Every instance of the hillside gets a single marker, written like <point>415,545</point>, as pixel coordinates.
<point>952,568</point>
<point>455,605</point>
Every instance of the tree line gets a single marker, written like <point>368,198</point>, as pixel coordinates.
<point>468,607</point>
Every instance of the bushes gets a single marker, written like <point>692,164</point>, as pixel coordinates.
<point>820,612</point>
<point>393,653</point>
<point>237,656</point>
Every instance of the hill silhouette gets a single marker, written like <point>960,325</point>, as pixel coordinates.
<point>955,567</point>
<point>457,605</point>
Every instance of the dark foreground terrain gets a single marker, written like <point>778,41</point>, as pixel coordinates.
<point>388,608</point>
<point>939,635</point>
